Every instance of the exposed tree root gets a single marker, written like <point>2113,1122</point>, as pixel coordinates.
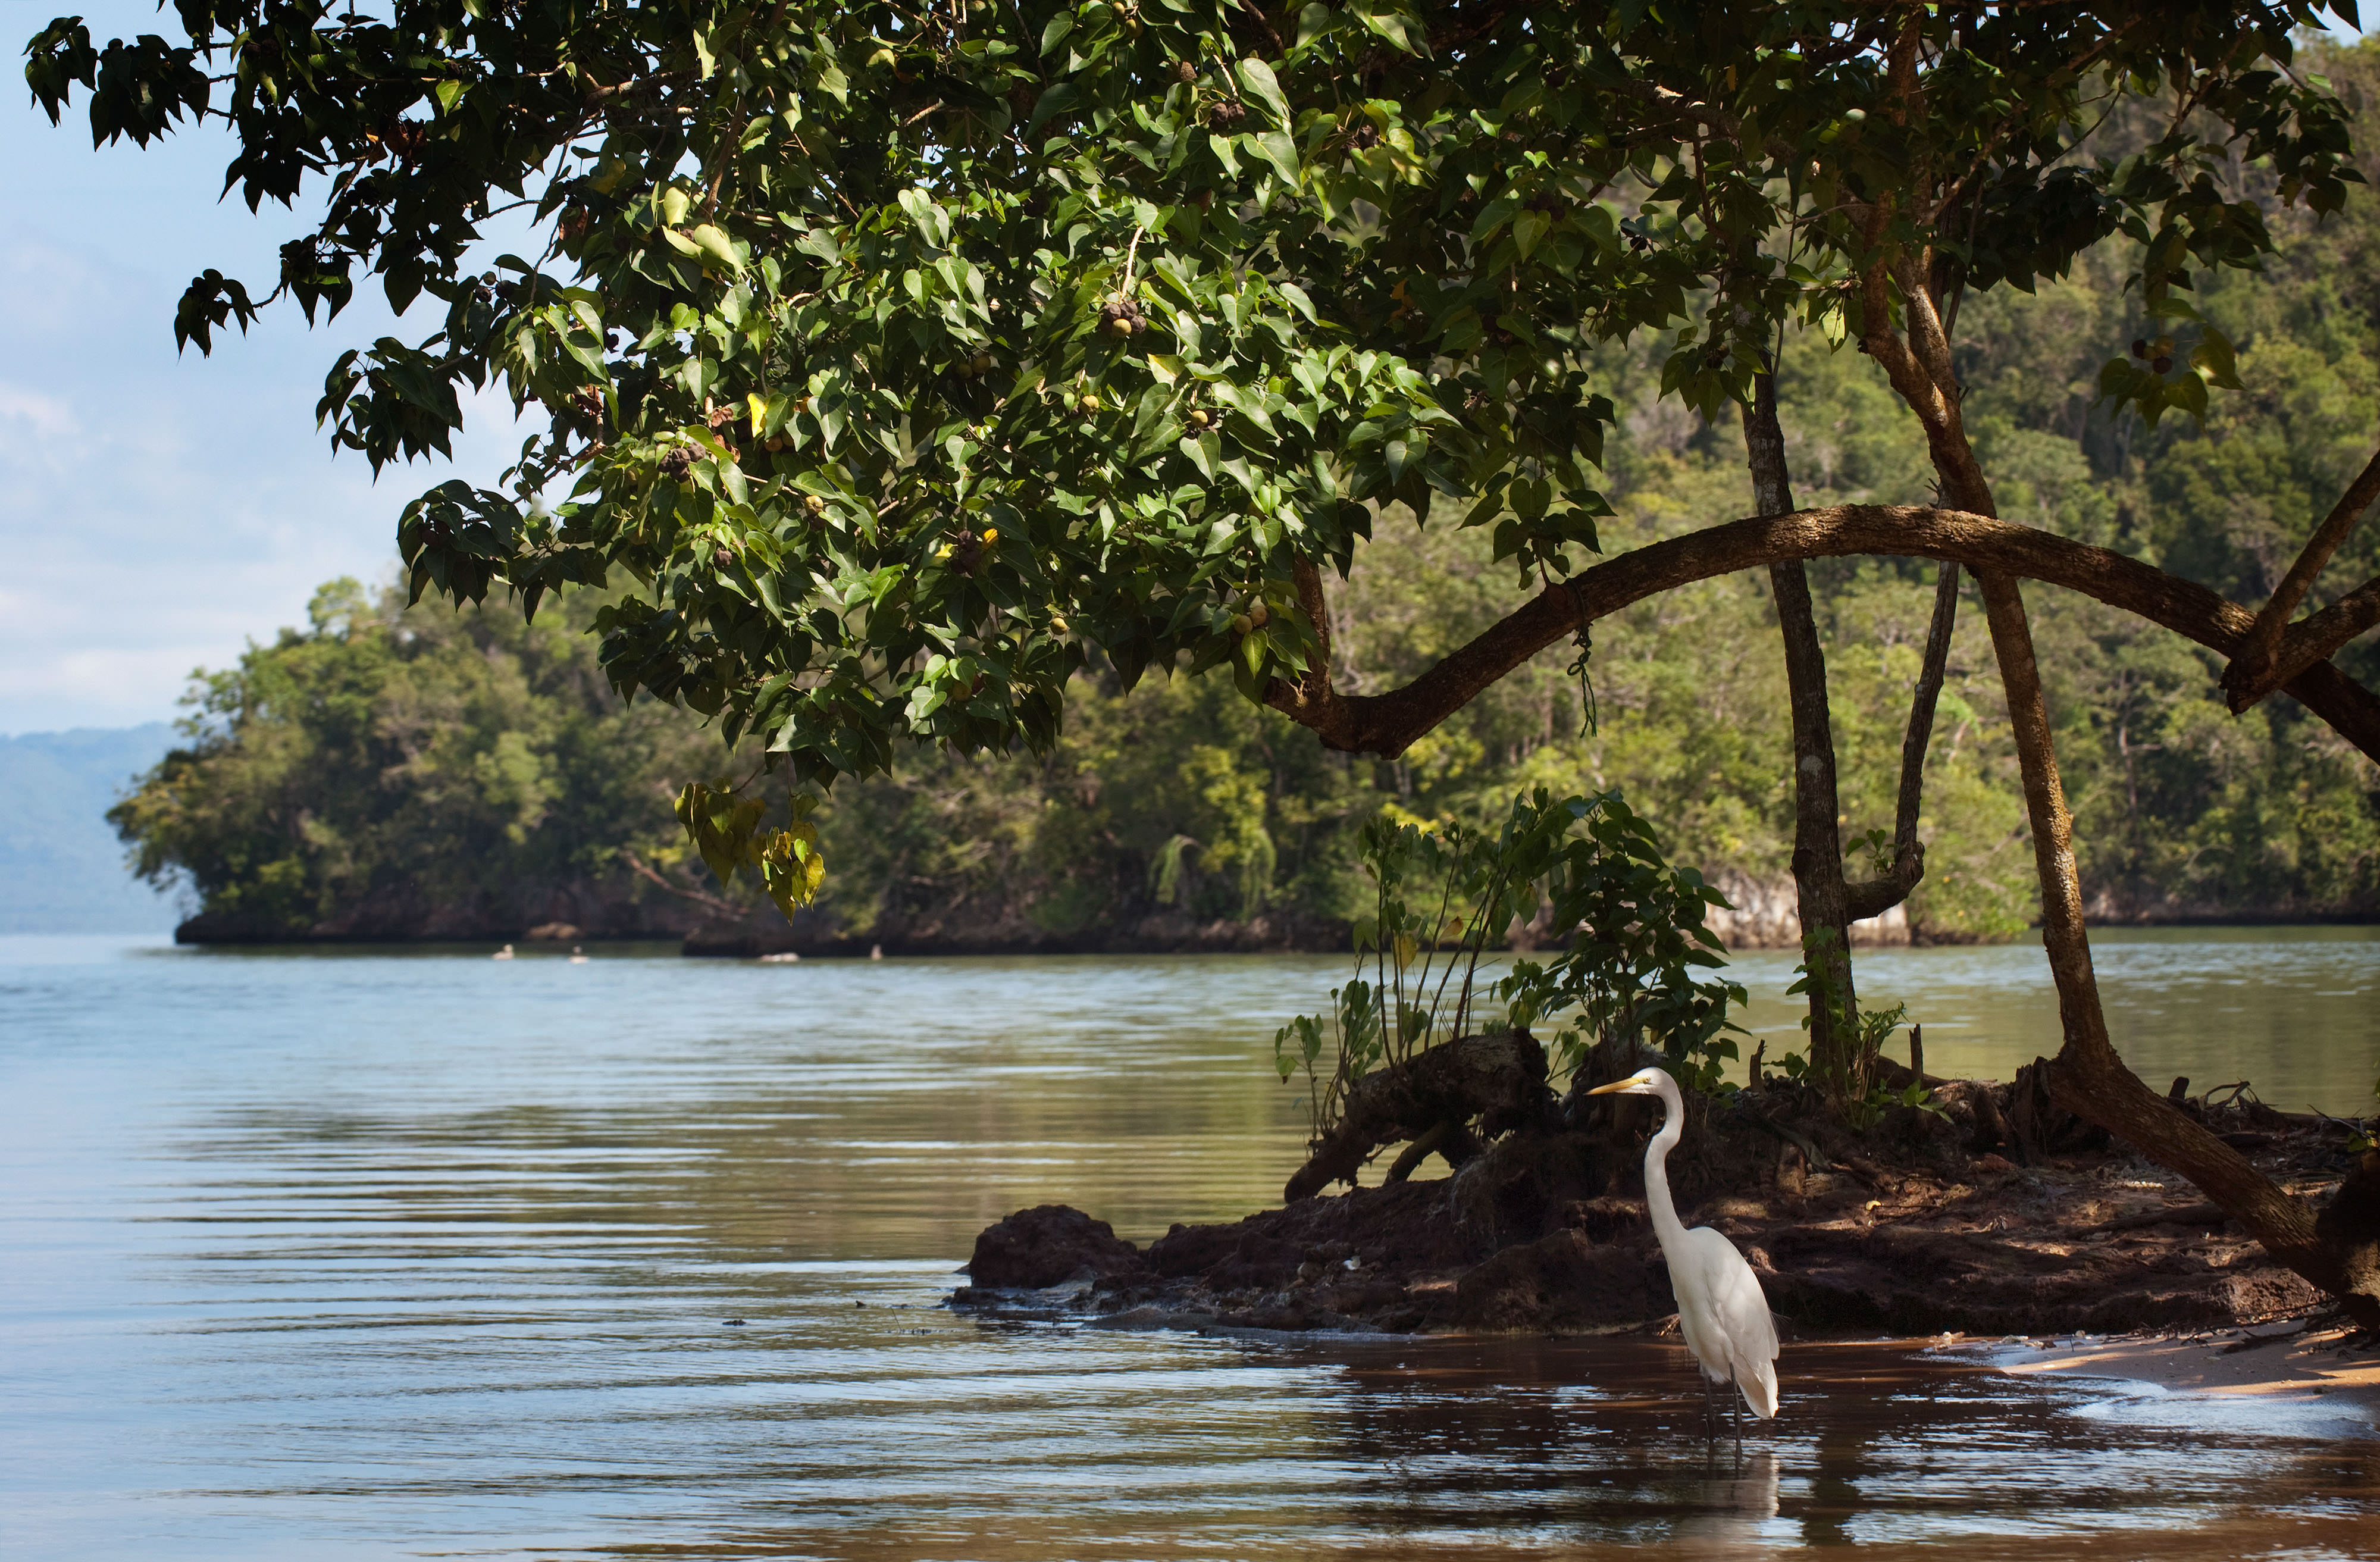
<point>1496,1081</point>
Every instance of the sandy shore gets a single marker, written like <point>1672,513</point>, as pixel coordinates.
<point>2285,1361</point>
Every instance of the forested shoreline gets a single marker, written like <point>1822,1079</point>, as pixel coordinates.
<point>394,774</point>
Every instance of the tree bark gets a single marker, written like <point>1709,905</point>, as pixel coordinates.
<point>2314,638</point>
<point>2261,664</point>
<point>1820,893</point>
<point>2087,1077</point>
<point>1873,897</point>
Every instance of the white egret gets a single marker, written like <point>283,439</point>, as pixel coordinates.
<point>1721,1310</point>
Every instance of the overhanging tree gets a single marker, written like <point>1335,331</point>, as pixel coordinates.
<point>908,358</point>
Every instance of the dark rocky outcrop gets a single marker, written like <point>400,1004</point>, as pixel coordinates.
<point>1497,1080</point>
<point>1050,1244</point>
<point>1562,1282</point>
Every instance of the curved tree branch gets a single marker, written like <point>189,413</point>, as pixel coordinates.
<point>1386,723</point>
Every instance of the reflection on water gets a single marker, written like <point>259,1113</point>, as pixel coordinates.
<point>2290,1009</point>
<point>405,1255</point>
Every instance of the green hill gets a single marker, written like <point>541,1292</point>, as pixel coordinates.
<point>61,866</point>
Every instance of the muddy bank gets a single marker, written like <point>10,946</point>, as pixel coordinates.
<point>1956,1221</point>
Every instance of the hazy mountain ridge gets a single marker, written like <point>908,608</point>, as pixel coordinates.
<point>61,866</point>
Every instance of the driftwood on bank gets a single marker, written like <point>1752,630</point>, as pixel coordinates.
<point>1431,1099</point>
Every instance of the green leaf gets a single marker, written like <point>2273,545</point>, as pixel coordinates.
<point>2213,358</point>
<point>1527,228</point>
<point>1257,81</point>
<point>1276,148</point>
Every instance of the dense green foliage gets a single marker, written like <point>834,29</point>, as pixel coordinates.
<point>1180,797</point>
<point>1633,968</point>
<point>909,361</point>
<point>2183,808</point>
<point>453,753</point>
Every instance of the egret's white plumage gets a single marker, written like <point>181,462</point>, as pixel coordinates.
<point>1721,1310</point>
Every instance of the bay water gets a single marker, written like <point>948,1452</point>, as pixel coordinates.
<point>401,1254</point>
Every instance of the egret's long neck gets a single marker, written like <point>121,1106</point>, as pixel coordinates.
<point>1666,1224</point>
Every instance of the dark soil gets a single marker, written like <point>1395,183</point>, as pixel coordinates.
<point>1997,1215</point>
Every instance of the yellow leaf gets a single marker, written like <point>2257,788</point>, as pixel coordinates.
<point>792,868</point>
<point>680,242</point>
<point>1406,948</point>
<point>760,405</point>
<point>715,244</point>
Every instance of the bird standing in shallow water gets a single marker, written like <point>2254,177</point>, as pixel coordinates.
<point>1721,1310</point>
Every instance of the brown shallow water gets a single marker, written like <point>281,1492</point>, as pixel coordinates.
<point>402,1255</point>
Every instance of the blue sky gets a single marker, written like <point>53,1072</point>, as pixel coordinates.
<point>157,512</point>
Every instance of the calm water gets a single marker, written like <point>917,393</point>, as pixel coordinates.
<point>422,1254</point>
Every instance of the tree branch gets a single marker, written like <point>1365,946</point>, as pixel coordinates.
<point>1873,897</point>
<point>1388,723</point>
<point>2268,658</point>
<point>1314,687</point>
<point>708,902</point>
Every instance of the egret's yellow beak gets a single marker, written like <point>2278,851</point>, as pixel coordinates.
<point>1612,1088</point>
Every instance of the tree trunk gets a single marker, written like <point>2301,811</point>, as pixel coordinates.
<point>1819,888</point>
<point>2087,1078</point>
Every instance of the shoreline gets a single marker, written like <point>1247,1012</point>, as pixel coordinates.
<point>1157,935</point>
<point>2292,1364</point>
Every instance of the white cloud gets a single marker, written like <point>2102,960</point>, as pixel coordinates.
<point>158,510</point>
<point>46,417</point>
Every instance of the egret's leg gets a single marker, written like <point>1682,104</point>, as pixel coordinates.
<point>1739,1413</point>
<point>1710,1409</point>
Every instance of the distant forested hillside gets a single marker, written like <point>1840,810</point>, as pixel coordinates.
<point>426,759</point>
<point>61,868</point>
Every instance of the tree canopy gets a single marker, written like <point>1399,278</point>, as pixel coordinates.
<point>908,358</point>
